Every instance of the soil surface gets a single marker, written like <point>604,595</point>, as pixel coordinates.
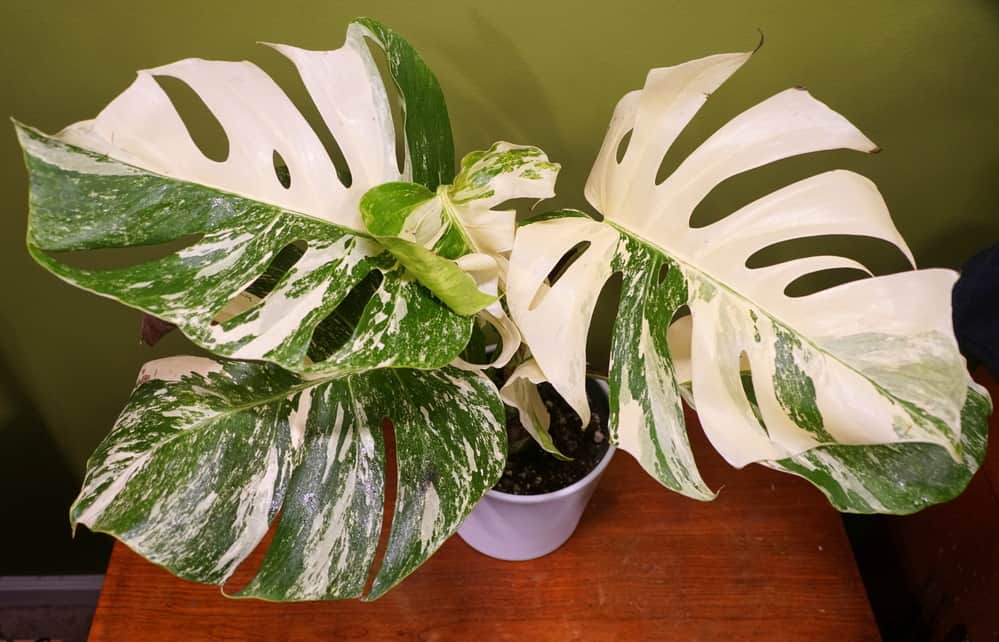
<point>532,471</point>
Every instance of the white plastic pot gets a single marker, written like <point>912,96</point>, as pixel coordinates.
<point>525,527</point>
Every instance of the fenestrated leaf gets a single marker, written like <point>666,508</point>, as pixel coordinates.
<point>429,146</point>
<point>207,452</point>
<point>868,363</point>
<point>133,176</point>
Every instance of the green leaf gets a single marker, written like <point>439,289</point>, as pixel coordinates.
<point>844,377</point>
<point>387,209</point>
<point>134,177</point>
<point>207,453</point>
<point>453,241</point>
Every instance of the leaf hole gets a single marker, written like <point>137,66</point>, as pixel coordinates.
<point>737,191</point>
<point>204,128</point>
<point>746,377</point>
<point>878,255</point>
<point>822,280</point>
<point>622,146</point>
<point>254,294</point>
<point>117,258</point>
<point>663,271</point>
<point>388,507</point>
<point>599,335</point>
<point>286,75</point>
<point>678,337</point>
<point>558,271</point>
<point>681,312</point>
<point>281,170</point>
<point>396,102</point>
<point>564,263</point>
<point>281,264</point>
<point>333,332</point>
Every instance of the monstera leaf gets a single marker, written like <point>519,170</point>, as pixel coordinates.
<point>192,479</point>
<point>849,386</point>
<point>317,345</point>
<point>133,176</point>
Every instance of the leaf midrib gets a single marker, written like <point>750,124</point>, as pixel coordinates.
<point>687,264</point>
<point>205,422</point>
<point>50,140</point>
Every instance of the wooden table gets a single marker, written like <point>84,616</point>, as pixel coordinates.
<point>767,560</point>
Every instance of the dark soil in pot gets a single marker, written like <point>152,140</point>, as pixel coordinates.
<point>532,471</point>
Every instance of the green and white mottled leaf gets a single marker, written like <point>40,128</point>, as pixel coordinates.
<point>429,144</point>
<point>870,363</point>
<point>208,452</point>
<point>489,178</point>
<point>453,241</point>
<point>899,478</point>
<point>133,176</point>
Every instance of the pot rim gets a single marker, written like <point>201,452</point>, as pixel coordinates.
<point>571,489</point>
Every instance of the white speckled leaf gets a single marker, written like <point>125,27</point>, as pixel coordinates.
<point>133,176</point>
<point>867,363</point>
<point>207,452</point>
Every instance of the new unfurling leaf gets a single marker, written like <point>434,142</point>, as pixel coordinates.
<point>453,240</point>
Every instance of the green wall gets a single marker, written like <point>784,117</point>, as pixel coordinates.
<point>919,77</point>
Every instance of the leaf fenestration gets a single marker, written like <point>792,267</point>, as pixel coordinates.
<point>132,177</point>
<point>868,364</point>
<point>207,452</point>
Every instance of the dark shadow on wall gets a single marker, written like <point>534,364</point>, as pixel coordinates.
<point>39,487</point>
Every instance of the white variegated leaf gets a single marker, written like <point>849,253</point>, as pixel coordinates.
<point>867,363</point>
<point>521,392</point>
<point>207,452</point>
<point>133,176</point>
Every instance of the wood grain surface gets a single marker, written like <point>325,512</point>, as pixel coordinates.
<point>767,560</point>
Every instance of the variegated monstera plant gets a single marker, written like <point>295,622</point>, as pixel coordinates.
<point>332,304</point>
